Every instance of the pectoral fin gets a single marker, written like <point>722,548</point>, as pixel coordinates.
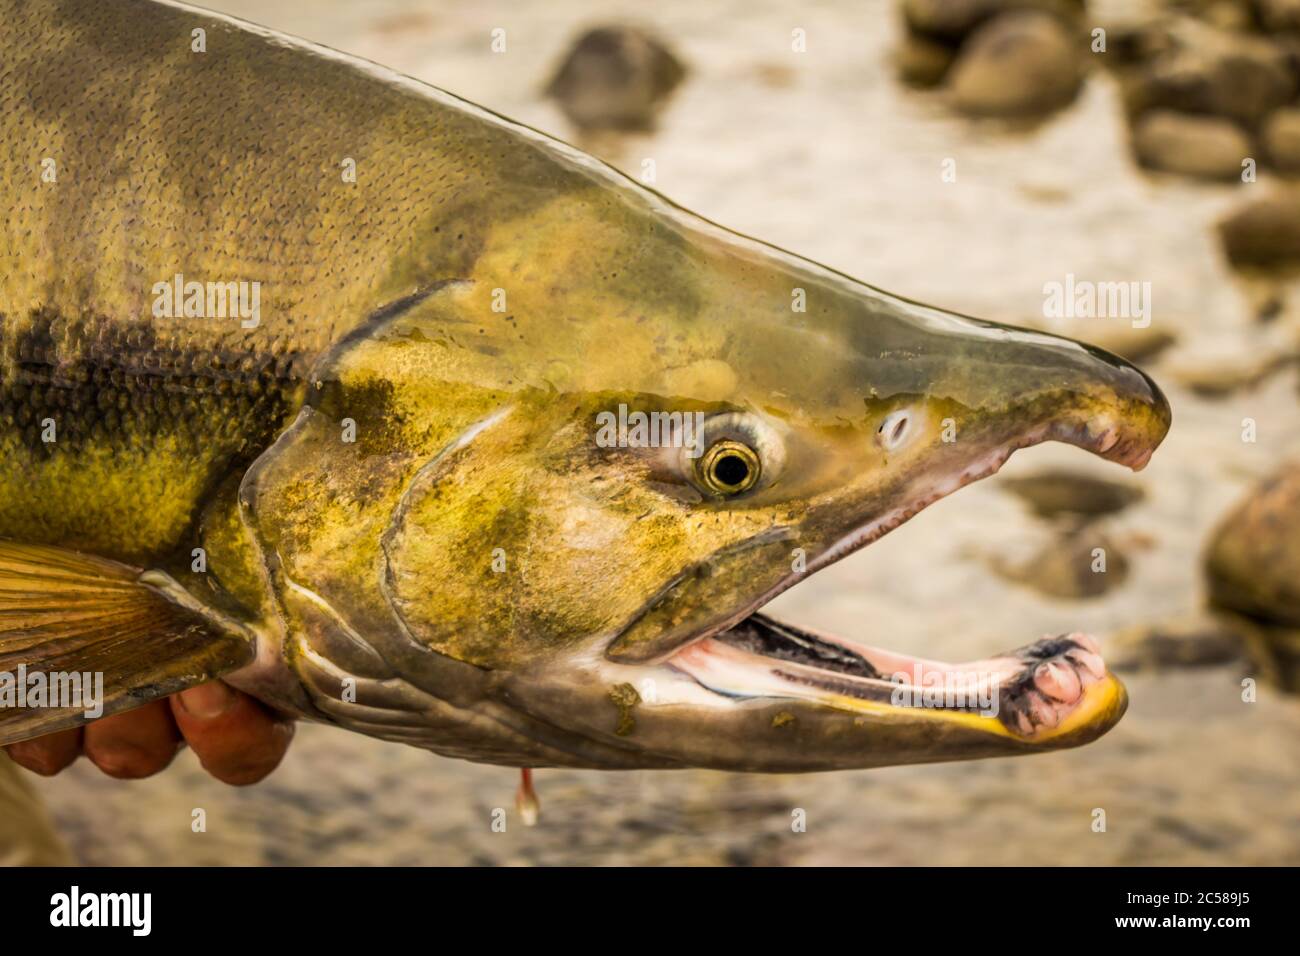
<point>63,613</point>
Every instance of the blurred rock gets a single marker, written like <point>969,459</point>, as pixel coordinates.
<point>1289,44</point>
<point>1046,192</point>
<point>1252,562</point>
<point>1203,146</point>
<point>1200,641</point>
<point>1136,345</point>
<point>615,78</point>
<point>1215,364</point>
<point>778,76</point>
<point>1136,43</point>
<point>922,62</point>
<point>1215,72</point>
<point>1275,653</point>
<point>1264,233</point>
<point>1252,567</point>
<point>1282,140</point>
<point>1021,64</point>
<point>1053,494</point>
<point>1268,304</point>
<point>1218,375</point>
<point>951,21</point>
<point>1068,567</point>
<point>1278,16</point>
<point>1227,14</point>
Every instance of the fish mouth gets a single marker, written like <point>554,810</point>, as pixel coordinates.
<point>1056,691</point>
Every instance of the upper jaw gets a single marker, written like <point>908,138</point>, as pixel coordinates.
<point>1115,441</point>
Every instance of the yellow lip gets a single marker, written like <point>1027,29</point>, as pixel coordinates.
<point>1103,704</point>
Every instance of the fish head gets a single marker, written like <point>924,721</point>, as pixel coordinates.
<point>587,495</point>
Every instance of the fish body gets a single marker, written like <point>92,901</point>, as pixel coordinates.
<point>407,418</point>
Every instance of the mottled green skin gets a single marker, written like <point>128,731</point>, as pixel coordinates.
<point>536,288</point>
<point>170,161</point>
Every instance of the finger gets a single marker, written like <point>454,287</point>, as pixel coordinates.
<point>236,739</point>
<point>135,744</point>
<point>49,754</point>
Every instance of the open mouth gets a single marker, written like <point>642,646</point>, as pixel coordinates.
<point>1038,692</point>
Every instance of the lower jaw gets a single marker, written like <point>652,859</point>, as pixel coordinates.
<point>893,686</point>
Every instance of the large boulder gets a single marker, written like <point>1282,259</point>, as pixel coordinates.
<point>1021,64</point>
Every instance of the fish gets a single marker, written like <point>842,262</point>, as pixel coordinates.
<point>406,418</point>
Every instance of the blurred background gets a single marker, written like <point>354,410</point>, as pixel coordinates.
<point>964,153</point>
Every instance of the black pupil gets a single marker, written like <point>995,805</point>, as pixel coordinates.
<point>731,470</point>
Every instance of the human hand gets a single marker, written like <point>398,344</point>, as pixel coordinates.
<point>237,739</point>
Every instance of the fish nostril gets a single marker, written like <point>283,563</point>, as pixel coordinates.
<point>893,430</point>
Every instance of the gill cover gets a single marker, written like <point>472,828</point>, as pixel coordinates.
<point>426,500</point>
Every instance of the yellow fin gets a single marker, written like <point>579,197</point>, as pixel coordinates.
<point>63,613</point>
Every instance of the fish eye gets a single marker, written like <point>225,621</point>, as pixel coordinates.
<point>729,467</point>
<point>893,430</point>
<point>733,453</point>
